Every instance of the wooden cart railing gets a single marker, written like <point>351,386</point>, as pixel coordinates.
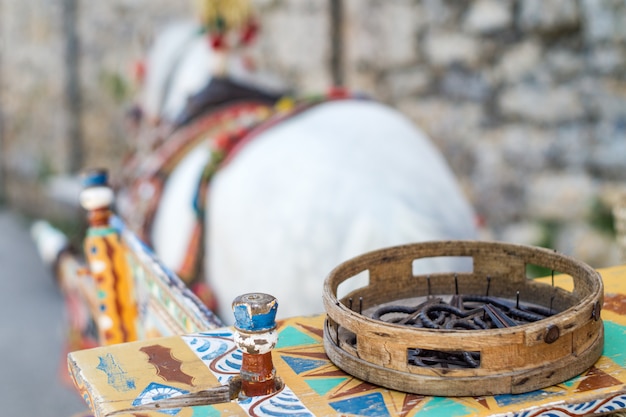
<point>118,290</point>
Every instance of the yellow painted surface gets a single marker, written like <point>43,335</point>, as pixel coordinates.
<point>113,378</point>
<point>116,308</point>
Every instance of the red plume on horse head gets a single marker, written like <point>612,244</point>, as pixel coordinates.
<point>229,24</point>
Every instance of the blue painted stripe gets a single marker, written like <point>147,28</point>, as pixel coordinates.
<point>256,323</point>
<point>95,179</point>
<point>370,405</point>
<point>300,365</point>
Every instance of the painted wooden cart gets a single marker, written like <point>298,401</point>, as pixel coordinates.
<point>185,362</point>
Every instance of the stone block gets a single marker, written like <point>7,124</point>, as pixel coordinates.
<point>446,120</point>
<point>564,63</point>
<point>524,148</point>
<point>541,105</point>
<point>518,61</point>
<point>607,156</point>
<point>581,241</point>
<point>607,60</point>
<point>488,16</point>
<point>548,16</point>
<point>523,232</point>
<point>560,196</point>
<point>603,20</point>
<point>382,34</point>
<point>569,145</point>
<point>444,48</point>
<point>466,85</point>
<point>605,97</point>
<point>405,82</point>
<point>295,44</point>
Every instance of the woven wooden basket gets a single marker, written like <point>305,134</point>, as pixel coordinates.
<point>511,360</point>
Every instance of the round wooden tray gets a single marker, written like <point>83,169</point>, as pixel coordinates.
<point>511,360</point>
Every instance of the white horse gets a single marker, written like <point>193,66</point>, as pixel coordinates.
<point>340,179</point>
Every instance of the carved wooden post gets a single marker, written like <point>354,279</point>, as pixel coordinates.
<point>256,336</point>
<point>117,311</point>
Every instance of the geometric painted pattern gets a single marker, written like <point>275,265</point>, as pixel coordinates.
<point>303,356</point>
<point>218,352</point>
<point>372,405</point>
<point>614,336</point>
<point>117,377</point>
<point>315,386</point>
<point>156,392</point>
<point>303,353</point>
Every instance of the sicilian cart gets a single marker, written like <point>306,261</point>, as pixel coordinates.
<point>399,345</point>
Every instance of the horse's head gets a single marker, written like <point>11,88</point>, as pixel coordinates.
<point>182,61</point>
<point>177,65</point>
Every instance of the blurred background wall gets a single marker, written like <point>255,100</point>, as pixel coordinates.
<point>525,98</point>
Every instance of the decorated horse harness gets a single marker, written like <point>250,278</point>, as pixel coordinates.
<point>225,114</point>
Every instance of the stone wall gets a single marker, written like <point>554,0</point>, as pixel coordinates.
<point>525,98</point>
<point>42,124</point>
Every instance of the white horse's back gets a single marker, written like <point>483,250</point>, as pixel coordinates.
<point>341,179</point>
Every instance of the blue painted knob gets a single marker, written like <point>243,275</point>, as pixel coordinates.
<point>95,178</point>
<point>255,312</point>
<point>96,193</point>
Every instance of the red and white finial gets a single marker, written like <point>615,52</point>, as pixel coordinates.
<point>256,336</point>
<point>97,197</point>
